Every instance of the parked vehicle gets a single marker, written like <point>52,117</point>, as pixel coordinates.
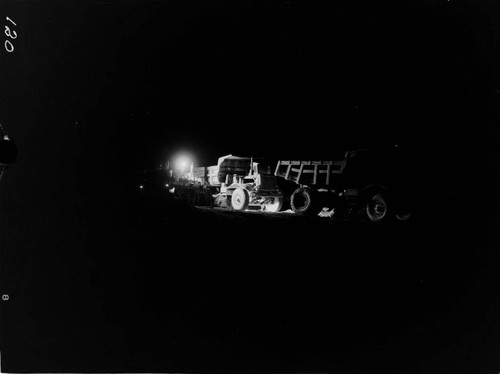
<point>377,184</point>
<point>242,183</point>
<point>370,182</point>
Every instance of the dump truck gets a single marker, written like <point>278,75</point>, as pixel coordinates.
<point>367,182</point>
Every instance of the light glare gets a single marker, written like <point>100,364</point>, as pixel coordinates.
<point>183,163</point>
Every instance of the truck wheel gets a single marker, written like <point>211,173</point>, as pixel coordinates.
<point>377,208</point>
<point>220,201</point>
<point>240,199</point>
<point>403,216</point>
<point>305,201</point>
<point>275,206</point>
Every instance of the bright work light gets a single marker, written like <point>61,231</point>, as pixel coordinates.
<point>183,163</point>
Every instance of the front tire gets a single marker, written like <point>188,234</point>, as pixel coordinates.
<point>240,199</point>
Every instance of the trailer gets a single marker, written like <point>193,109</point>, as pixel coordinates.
<point>361,183</point>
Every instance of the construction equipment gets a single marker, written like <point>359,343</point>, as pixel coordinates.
<point>370,182</point>
<point>241,183</point>
<point>362,182</point>
<point>236,183</point>
<point>177,184</point>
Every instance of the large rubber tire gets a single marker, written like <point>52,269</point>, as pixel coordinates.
<point>403,217</point>
<point>240,199</point>
<point>275,206</point>
<point>221,201</point>
<point>378,207</point>
<point>305,200</point>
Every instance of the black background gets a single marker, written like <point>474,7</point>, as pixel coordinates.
<point>96,91</point>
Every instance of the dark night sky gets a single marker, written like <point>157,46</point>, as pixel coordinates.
<point>127,83</point>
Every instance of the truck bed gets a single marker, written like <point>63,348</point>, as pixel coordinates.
<point>318,173</point>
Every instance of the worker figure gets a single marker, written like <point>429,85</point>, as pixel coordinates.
<point>8,151</point>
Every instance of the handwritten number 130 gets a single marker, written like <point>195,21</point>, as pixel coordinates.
<point>11,34</point>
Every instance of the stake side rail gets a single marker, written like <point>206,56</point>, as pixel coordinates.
<point>309,172</point>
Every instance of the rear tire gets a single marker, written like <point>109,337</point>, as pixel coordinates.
<point>305,201</point>
<point>377,207</point>
<point>403,217</point>
<point>240,199</point>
